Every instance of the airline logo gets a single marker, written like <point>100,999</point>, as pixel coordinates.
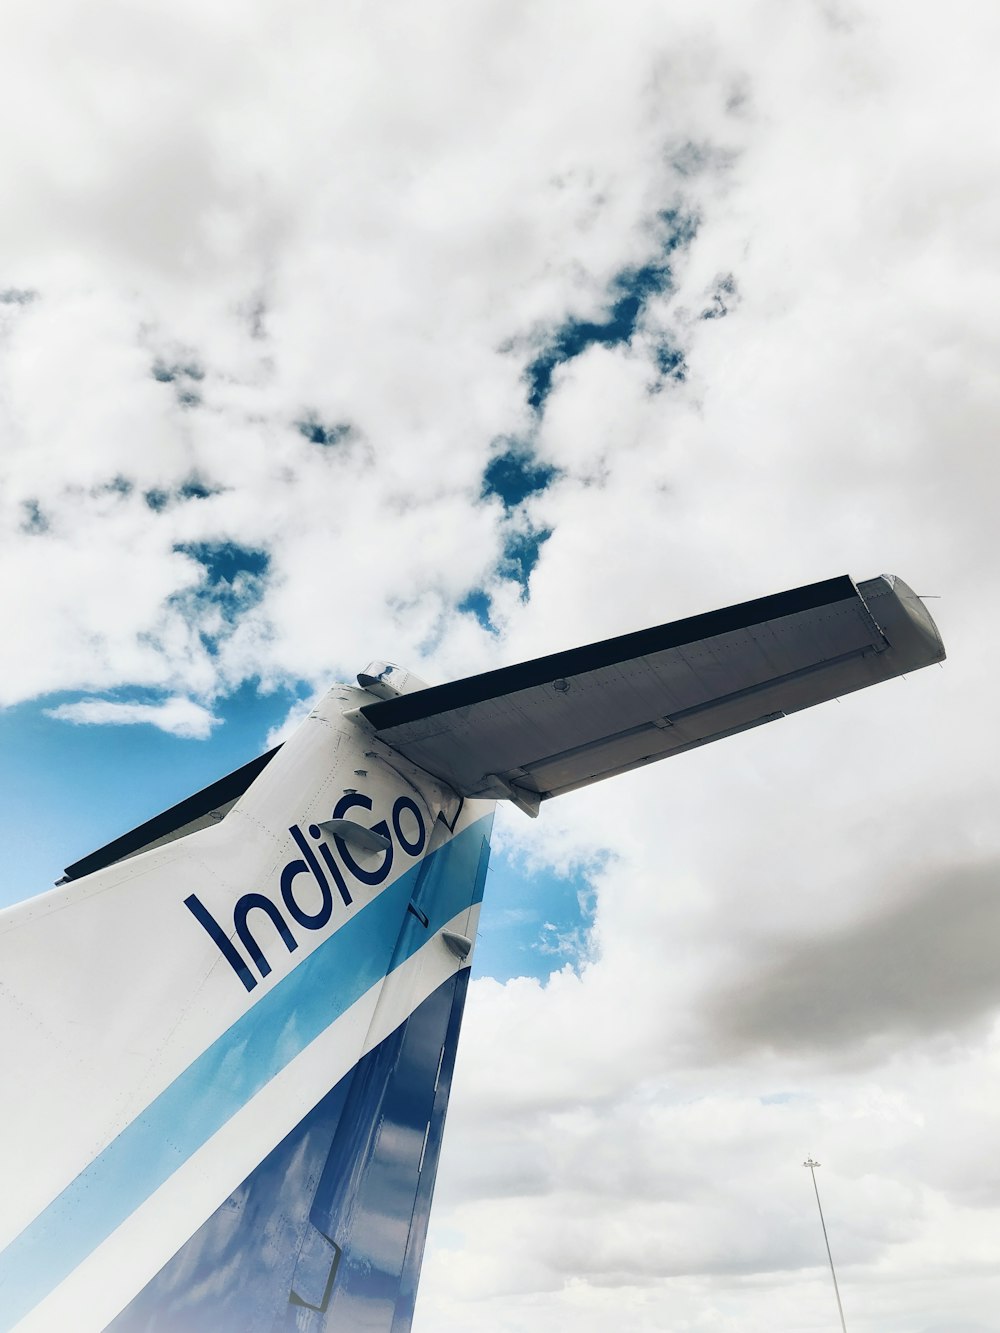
<point>407,833</point>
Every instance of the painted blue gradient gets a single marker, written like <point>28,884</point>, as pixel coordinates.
<point>328,1232</point>
<point>234,1068</point>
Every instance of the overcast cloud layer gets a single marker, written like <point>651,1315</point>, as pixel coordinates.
<point>463,333</point>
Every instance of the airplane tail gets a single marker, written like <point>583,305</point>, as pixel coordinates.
<point>235,1027</point>
<point>240,1043</point>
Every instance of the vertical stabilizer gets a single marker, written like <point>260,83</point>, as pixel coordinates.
<point>255,1024</point>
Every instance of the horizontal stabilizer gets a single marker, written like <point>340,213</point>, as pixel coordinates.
<point>545,727</point>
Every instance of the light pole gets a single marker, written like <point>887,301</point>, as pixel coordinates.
<point>836,1291</point>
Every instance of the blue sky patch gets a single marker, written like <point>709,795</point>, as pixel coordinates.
<point>520,554</point>
<point>628,293</point>
<point>34,520</point>
<point>183,375</point>
<point>223,561</point>
<point>193,489</point>
<point>670,362</point>
<point>180,370</point>
<point>532,924</point>
<point>233,582</point>
<point>478,603</point>
<point>515,474</point>
<point>318,432</point>
<point>70,789</point>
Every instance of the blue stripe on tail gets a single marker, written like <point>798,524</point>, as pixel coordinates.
<point>235,1067</point>
<point>328,1232</point>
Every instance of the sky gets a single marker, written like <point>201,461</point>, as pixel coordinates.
<point>459,334</point>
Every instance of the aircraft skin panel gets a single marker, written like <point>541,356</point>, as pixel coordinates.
<point>550,726</point>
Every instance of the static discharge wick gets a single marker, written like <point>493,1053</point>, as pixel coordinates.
<point>836,1291</point>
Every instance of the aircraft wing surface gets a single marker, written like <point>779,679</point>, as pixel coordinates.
<point>548,726</point>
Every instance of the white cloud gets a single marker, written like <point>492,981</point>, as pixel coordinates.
<point>379,216</point>
<point>179,717</point>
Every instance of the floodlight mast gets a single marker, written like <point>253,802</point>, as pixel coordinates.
<point>836,1290</point>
